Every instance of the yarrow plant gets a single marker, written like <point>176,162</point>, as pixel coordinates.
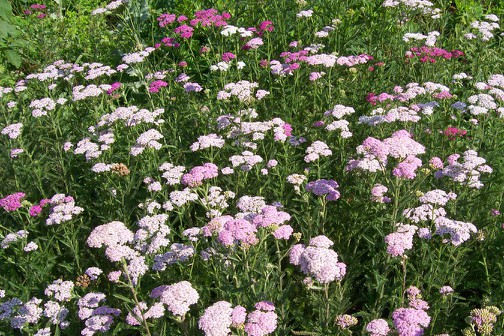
<point>251,172</point>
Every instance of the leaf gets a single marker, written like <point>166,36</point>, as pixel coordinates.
<point>6,29</point>
<point>5,10</point>
<point>13,57</point>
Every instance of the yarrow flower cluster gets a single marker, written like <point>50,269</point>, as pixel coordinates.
<point>399,146</point>
<point>243,90</point>
<point>327,188</point>
<point>432,54</point>
<point>400,240</point>
<point>97,318</point>
<point>177,297</point>
<point>218,319</point>
<point>482,320</point>
<point>197,174</point>
<point>425,7</point>
<point>12,131</point>
<point>12,202</point>
<point>467,172</point>
<point>316,150</point>
<point>485,29</point>
<point>146,140</point>
<point>318,260</point>
<point>378,327</point>
<point>208,141</point>
<point>378,192</point>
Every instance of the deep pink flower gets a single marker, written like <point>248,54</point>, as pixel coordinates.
<point>453,132</point>
<point>12,202</point>
<point>228,56</point>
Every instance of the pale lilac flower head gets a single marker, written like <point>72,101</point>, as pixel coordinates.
<point>378,327</point>
<point>13,130</point>
<point>436,163</point>
<point>321,241</point>
<point>60,290</point>
<point>93,272</point>
<point>401,240</point>
<point>111,234</point>
<point>321,263</point>
<point>324,187</point>
<point>177,297</point>
<point>238,316</point>
<point>283,232</point>
<point>410,321</point>
<point>217,319</point>
<point>260,323</point>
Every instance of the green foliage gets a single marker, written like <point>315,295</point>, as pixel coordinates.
<point>10,41</point>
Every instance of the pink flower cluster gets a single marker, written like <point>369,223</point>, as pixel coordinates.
<point>378,327</point>
<point>432,54</point>
<point>62,210</point>
<point>12,130</point>
<point>409,92</point>
<point>155,86</point>
<point>467,172</point>
<point>399,146</point>
<point>401,240</point>
<point>218,319</point>
<point>97,318</point>
<point>12,202</point>
<point>316,150</point>
<point>196,175</point>
<point>177,297</point>
<point>232,231</point>
<point>378,192</point>
<point>453,132</point>
<point>412,321</point>
<point>147,139</point>
<point>113,87</point>
<point>36,8</point>
<point>318,260</point>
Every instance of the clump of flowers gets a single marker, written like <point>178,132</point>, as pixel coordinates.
<point>97,318</point>
<point>243,90</point>
<point>148,139</point>
<point>198,174</point>
<point>401,240</point>
<point>318,260</point>
<point>466,172</point>
<point>453,132</point>
<point>378,191</point>
<point>378,327</point>
<point>177,297</point>
<point>432,54</point>
<point>327,188</point>
<point>12,202</point>
<point>13,130</point>
<point>482,321</point>
<point>262,321</point>
<point>345,321</point>
<point>218,319</point>
<point>316,150</point>
<point>410,321</point>
<point>400,146</point>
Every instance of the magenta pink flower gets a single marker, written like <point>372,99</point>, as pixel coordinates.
<point>12,202</point>
<point>157,85</point>
<point>453,132</point>
<point>228,56</point>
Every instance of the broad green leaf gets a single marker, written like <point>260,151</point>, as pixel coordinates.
<point>5,9</point>
<point>13,57</point>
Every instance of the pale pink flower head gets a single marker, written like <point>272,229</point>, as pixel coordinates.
<point>378,327</point>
